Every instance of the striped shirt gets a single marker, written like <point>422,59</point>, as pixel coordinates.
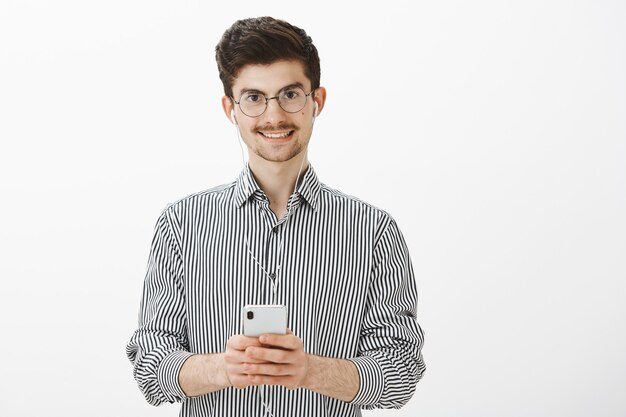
<point>341,266</point>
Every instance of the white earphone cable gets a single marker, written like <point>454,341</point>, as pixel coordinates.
<point>273,281</point>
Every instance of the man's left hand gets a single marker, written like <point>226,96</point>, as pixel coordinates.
<point>286,363</point>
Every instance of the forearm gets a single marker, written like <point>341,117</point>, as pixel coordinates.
<point>336,378</point>
<point>202,374</point>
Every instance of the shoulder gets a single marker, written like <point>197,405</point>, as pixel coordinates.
<point>384,228</point>
<point>333,200</point>
<point>210,198</point>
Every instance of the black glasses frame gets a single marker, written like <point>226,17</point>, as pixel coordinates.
<point>267,100</point>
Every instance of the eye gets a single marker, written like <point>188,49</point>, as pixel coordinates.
<point>252,98</point>
<point>291,94</point>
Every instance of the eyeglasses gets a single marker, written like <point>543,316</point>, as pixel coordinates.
<point>290,99</point>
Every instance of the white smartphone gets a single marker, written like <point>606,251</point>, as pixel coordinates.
<point>260,319</point>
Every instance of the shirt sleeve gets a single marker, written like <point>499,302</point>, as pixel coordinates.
<point>159,347</point>
<point>389,361</point>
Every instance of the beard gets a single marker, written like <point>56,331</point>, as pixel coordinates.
<point>276,156</point>
<point>277,152</point>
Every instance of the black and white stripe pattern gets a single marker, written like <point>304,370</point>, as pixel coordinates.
<point>345,276</point>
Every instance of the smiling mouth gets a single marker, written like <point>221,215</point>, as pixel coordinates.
<point>277,135</point>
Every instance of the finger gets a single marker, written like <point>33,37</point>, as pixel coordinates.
<point>270,355</point>
<point>241,342</point>
<point>241,381</point>
<point>238,356</point>
<point>285,341</point>
<point>243,368</point>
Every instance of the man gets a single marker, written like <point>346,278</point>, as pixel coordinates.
<point>276,236</point>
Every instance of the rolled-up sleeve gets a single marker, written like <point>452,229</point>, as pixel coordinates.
<point>390,359</point>
<point>159,347</point>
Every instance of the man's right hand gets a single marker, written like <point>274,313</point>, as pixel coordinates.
<point>235,358</point>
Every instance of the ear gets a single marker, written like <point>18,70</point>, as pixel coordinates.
<point>229,106</point>
<point>320,98</point>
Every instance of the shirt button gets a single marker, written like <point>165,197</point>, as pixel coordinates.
<point>273,275</point>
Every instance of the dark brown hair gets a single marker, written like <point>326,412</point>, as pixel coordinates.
<point>264,40</point>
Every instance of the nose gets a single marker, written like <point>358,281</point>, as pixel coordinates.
<point>273,113</point>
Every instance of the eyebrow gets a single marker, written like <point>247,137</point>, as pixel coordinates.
<point>254,90</point>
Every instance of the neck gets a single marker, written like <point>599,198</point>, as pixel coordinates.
<point>278,179</point>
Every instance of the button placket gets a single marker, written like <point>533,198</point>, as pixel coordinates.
<point>274,247</point>
<point>272,262</point>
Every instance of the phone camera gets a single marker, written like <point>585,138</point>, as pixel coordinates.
<point>250,315</point>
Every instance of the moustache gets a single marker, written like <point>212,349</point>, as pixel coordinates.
<point>281,127</point>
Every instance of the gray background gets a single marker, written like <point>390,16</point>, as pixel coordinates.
<point>492,131</point>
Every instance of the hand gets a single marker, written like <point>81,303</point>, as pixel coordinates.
<point>235,358</point>
<point>280,360</point>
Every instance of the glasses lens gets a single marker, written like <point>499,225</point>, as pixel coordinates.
<point>252,104</point>
<point>292,99</point>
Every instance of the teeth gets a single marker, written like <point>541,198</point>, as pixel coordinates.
<point>276,135</point>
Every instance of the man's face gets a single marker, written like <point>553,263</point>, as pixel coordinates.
<point>276,135</point>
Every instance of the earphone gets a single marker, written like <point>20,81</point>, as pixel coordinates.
<point>315,112</point>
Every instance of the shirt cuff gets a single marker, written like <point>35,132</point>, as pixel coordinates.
<point>167,375</point>
<point>371,380</point>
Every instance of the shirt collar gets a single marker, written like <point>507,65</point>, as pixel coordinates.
<point>246,187</point>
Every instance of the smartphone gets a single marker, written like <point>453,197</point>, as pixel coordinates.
<point>260,319</point>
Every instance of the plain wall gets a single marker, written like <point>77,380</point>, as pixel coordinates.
<point>492,131</point>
